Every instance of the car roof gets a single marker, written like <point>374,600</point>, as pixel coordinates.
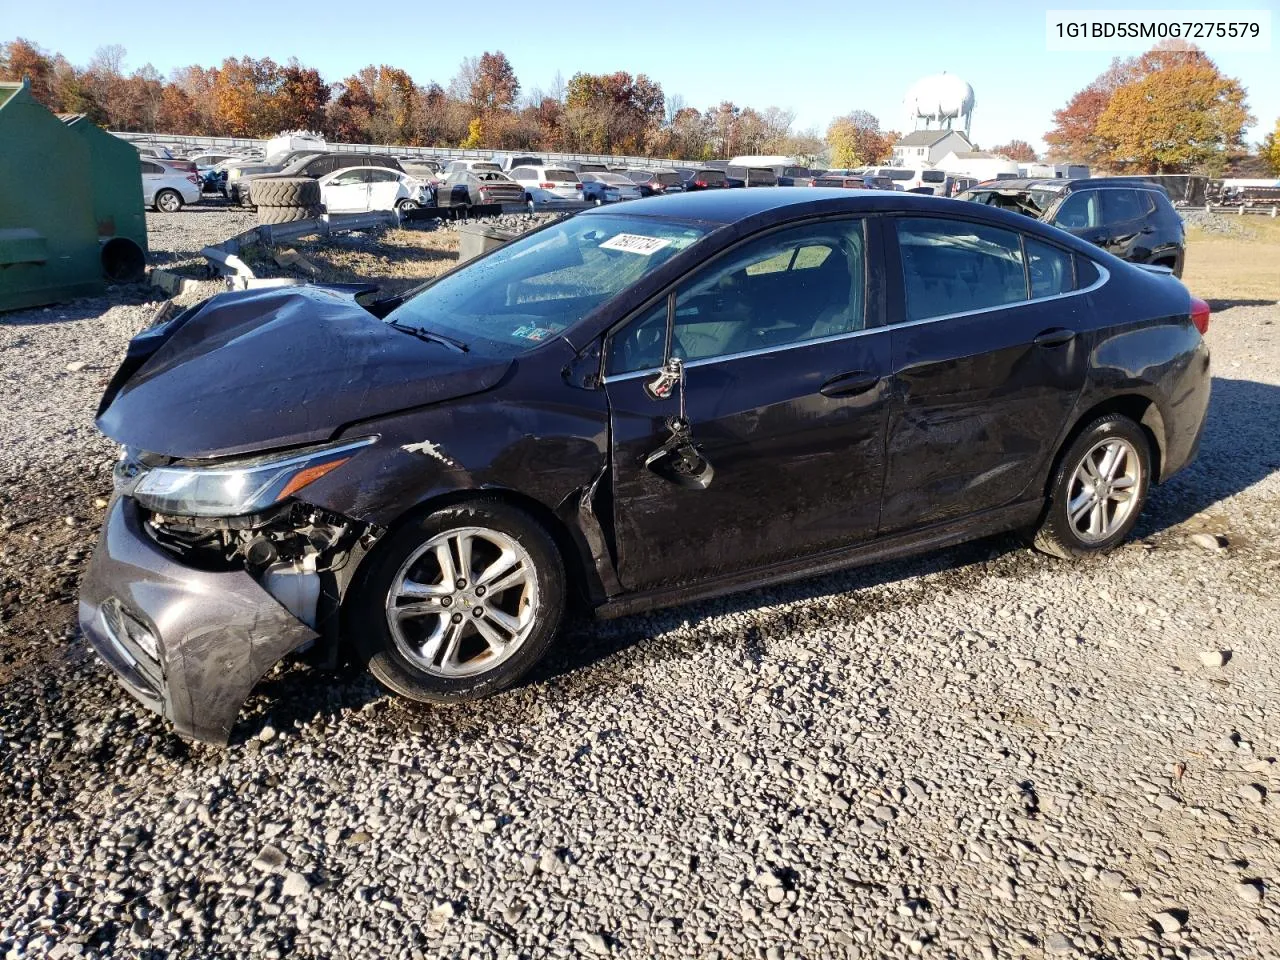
<point>730,206</point>
<point>767,207</point>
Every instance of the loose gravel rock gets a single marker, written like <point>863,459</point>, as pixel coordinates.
<point>952,756</point>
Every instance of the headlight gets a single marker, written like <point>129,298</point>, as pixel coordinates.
<point>234,174</point>
<point>236,488</point>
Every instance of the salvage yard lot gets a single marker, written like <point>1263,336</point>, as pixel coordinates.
<point>983,752</point>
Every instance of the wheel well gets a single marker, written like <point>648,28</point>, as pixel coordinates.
<point>1141,410</point>
<point>1165,261</point>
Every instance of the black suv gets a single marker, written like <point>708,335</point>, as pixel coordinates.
<point>1126,216</point>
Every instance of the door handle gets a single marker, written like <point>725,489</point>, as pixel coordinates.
<point>849,384</point>
<point>1054,338</point>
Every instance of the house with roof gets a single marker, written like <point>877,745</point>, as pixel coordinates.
<point>924,148</point>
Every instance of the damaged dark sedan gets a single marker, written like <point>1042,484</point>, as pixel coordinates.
<point>621,410</point>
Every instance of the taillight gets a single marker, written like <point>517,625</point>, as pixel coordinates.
<point>546,186</point>
<point>1200,315</point>
<point>577,186</point>
<point>699,183</point>
<point>194,179</point>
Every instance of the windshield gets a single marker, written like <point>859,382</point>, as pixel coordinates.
<point>540,285</point>
<point>1043,198</point>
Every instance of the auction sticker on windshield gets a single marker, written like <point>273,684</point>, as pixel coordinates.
<point>635,243</point>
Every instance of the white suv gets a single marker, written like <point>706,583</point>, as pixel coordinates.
<point>561,181</point>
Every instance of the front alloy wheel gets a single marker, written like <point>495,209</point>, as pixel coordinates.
<point>457,603</point>
<point>463,602</point>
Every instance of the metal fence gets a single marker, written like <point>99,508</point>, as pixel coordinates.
<point>426,153</point>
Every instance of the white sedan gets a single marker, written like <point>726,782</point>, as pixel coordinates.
<point>361,189</point>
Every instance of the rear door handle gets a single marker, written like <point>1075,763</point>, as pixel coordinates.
<point>849,384</point>
<point>1054,338</point>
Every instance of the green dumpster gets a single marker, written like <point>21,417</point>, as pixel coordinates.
<point>71,211</point>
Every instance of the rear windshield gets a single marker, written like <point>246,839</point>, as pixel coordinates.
<point>593,167</point>
<point>562,176</point>
<point>668,178</point>
<point>933,176</point>
<point>795,172</point>
<point>709,176</point>
<point>893,174</point>
<point>829,182</point>
<point>485,166</point>
<point>542,284</point>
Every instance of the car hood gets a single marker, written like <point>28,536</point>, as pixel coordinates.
<point>259,370</point>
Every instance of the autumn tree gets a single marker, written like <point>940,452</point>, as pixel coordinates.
<point>1018,150</point>
<point>856,140</point>
<point>493,85</point>
<point>21,59</point>
<point>1076,136</point>
<point>1185,115</point>
<point>244,97</point>
<point>612,113</point>
<point>301,97</point>
<point>1269,152</point>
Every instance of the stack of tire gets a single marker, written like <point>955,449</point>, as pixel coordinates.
<point>286,199</point>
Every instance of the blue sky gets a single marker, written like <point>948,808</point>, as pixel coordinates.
<point>819,59</point>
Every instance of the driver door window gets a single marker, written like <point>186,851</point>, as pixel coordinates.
<point>786,288</point>
<point>1079,211</point>
<point>794,285</point>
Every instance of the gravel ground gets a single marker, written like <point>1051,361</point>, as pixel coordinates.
<point>981,753</point>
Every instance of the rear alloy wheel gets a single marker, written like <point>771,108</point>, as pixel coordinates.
<point>407,205</point>
<point>169,201</point>
<point>459,603</point>
<point>1098,491</point>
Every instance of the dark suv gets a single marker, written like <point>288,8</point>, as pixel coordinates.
<point>1126,216</point>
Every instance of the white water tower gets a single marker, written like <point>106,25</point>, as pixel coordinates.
<point>940,102</point>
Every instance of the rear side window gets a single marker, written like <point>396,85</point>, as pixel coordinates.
<point>1121,205</point>
<point>953,266</point>
<point>1048,268</point>
<point>1086,273</point>
<point>152,168</point>
<point>383,176</point>
<point>933,176</point>
<point>523,173</point>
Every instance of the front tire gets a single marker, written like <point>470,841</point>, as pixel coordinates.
<point>168,201</point>
<point>1098,490</point>
<point>458,603</point>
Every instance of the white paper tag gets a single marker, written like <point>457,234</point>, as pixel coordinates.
<point>635,243</point>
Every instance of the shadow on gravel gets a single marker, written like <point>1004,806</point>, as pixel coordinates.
<point>587,642</point>
<point>1240,447</point>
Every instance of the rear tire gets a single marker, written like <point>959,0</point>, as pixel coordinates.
<point>1098,490</point>
<point>407,205</point>
<point>457,641</point>
<point>168,201</point>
